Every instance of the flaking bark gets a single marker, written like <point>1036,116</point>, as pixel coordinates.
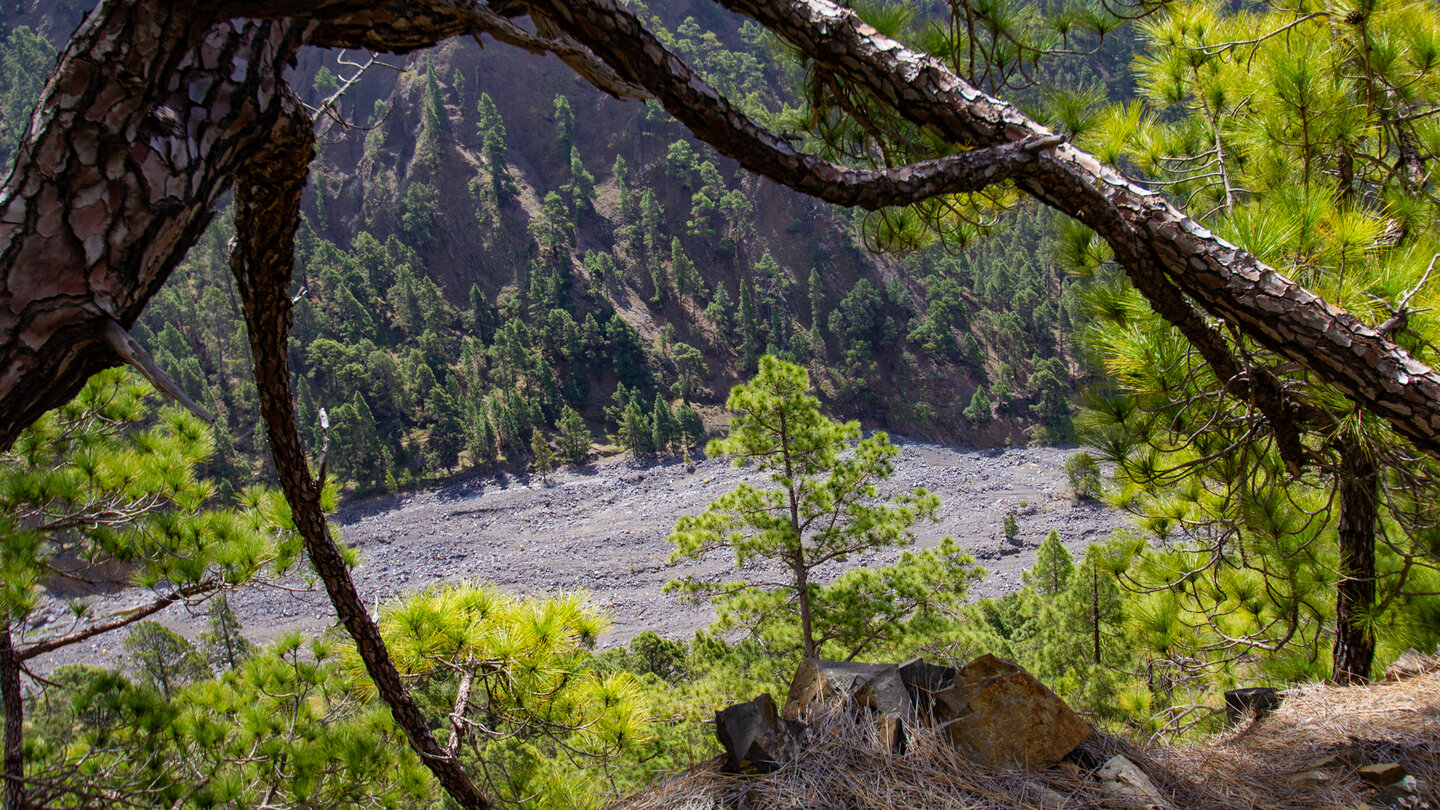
<point>136,137</point>
<point>187,151</point>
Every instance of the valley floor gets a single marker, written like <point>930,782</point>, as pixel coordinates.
<point>603,527</point>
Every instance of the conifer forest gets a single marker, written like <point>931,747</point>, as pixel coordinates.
<point>261,262</point>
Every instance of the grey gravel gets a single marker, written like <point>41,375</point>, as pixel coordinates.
<point>602,528</point>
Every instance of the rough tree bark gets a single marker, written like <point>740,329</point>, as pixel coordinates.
<point>14,758</point>
<point>1354,650</point>
<point>140,128</point>
<point>267,214</point>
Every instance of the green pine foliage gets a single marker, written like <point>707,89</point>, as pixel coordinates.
<point>514,677</point>
<point>542,455</point>
<point>574,437</point>
<point>224,646</point>
<point>106,478</point>
<point>979,411</point>
<point>1084,476</point>
<point>289,727</point>
<point>163,658</point>
<point>1053,566</point>
<point>821,506</point>
<point>1291,149</point>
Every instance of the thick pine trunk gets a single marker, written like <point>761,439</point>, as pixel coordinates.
<point>1354,650</point>
<point>137,135</point>
<point>14,760</point>
<point>267,212</point>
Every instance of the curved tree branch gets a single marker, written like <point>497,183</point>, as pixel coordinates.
<point>206,587</point>
<point>1160,248</point>
<point>267,215</point>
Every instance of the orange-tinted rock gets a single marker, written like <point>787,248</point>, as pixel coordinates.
<point>999,715</point>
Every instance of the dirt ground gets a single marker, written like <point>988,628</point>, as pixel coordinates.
<point>602,528</point>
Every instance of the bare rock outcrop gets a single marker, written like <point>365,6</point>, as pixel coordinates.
<point>991,710</point>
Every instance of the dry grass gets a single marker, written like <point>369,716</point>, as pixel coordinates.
<point>1261,765</point>
<point>845,765</point>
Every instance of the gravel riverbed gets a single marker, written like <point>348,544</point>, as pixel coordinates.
<point>602,528</point>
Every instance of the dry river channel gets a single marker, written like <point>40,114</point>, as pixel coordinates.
<point>602,528</point>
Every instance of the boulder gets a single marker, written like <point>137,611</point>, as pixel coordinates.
<point>922,681</point>
<point>880,689</point>
<point>1258,701</point>
<point>1406,792</point>
<point>885,693</point>
<point>823,683</point>
<point>755,737</point>
<point>1121,777</point>
<point>1000,716</point>
<point>1381,774</point>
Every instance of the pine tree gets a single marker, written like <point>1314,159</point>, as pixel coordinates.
<point>457,90</point>
<point>822,504</point>
<point>688,426</point>
<point>485,440</point>
<point>980,411</point>
<point>663,432</point>
<point>564,125</point>
<point>434,121</point>
<point>659,281</point>
<point>971,352</point>
<point>1084,475</point>
<point>817,299</point>
<point>542,457</point>
<point>651,222</point>
<point>164,658</point>
<point>482,315</point>
<point>717,312</point>
<point>690,369</point>
<point>447,432</point>
<point>574,437</point>
<point>495,149</point>
<point>580,187</point>
<point>687,278</point>
<point>507,426</point>
<point>1001,391</point>
<point>223,645</point>
<point>554,230</point>
<point>637,434</point>
<point>749,330</point>
<point>625,196</point>
<point>1050,574</point>
<point>1011,527</point>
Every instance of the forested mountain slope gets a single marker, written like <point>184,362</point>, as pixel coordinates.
<point>493,243</point>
